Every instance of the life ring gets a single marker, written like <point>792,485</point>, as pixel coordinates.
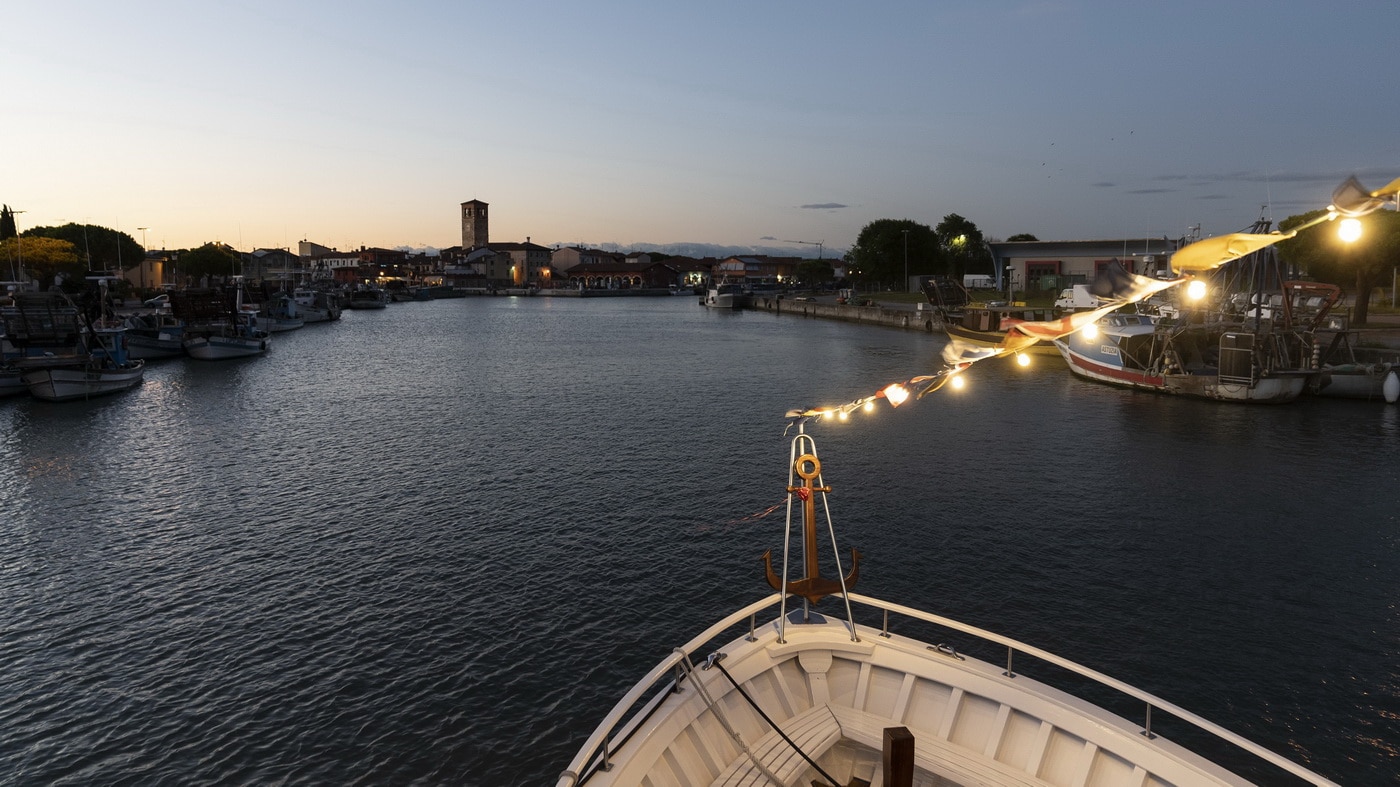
<point>805,473</point>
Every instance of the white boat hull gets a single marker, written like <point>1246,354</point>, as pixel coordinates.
<point>63,384</point>
<point>219,348</point>
<point>972,723</point>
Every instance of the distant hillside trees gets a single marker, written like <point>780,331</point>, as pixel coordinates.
<point>1364,265</point>
<point>1022,236</point>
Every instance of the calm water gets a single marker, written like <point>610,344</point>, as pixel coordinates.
<point>434,544</point>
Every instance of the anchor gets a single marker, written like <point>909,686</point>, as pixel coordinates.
<point>812,587</point>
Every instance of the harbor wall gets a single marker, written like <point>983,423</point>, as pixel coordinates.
<point>907,318</point>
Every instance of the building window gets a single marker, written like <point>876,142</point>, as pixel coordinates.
<point>1037,271</point>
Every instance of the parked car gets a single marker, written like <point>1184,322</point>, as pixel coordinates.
<point>160,301</point>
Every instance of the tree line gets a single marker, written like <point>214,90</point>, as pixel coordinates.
<point>64,255</point>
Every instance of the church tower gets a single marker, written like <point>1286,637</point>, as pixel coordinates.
<point>475,229</point>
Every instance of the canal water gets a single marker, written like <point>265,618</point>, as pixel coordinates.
<point>433,544</point>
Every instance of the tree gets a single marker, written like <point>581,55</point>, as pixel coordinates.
<point>1021,236</point>
<point>7,223</point>
<point>211,259</point>
<point>41,259</point>
<point>879,252</point>
<point>811,272</point>
<point>103,248</point>
<point>1364,264</point>
<point>963,246</point>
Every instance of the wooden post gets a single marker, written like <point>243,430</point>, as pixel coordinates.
<point>899,757</point>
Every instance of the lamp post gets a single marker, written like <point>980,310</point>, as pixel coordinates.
<point>143,256</point>
<point>906,260</point>
<point>19,251</point>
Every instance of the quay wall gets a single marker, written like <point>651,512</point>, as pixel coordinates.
<point>906,318</point>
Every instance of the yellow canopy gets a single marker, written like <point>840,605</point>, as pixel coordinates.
<point>1210,253</point>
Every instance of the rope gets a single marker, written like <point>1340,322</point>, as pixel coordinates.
<point>710,703</point>
<point>775,727</point>
<point>757,514</point>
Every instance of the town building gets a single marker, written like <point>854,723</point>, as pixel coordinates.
<point>566,258</point>
<point>1050,266</point>
<point>757,269</point>
<point>623,275</point>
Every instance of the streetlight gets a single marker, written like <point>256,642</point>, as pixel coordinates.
<point>144,255</point>
<point>906,259</point>
<point>19,250</point>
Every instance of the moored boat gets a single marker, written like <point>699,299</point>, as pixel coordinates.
<point>1223,361</point>
<point>217,326</point>
<point>365,297</point>
<point>985,325</point>
<point>1253,339</point>
<point>818,698</point>
<point>317,305</point>
<point>725,295</point>
<point>97,364</point>
<point>279,313</point>
<point>155,336</point>
<point>11,381</point>
<point>222,345</point>
<point>1349,370</point>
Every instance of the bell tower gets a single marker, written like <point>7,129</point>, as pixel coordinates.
<point>475,228</point>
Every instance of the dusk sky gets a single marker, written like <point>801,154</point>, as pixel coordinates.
<point>741,124</point>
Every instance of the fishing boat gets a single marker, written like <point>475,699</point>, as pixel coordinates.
<point>280,313</point>
<point>1349,370</point>
<point>154,336</point>
<point>241,339</point>
<point>984,326</point>
<point>217,327</point>
<point>366,297</point>
<point>11,381</point>
<point>316,305</point>
<point>106,369</point>
<point>801,697</point>
<point>1254,340</point>
<point>63,358</point>
<point>981,326</point>
<point>725,295</point>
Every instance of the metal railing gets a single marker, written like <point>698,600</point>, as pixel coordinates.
<point>596,750</point>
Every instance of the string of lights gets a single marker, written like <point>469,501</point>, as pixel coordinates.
<point>1349,201</point>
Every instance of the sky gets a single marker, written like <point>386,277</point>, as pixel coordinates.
<point>774,126</point>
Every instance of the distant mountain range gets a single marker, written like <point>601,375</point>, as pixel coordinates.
<point>697,250</point>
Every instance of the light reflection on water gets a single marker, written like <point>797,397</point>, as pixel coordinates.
<point>435,542</point>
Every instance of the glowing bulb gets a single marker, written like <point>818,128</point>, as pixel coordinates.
<point>1091,332</point>
<point>1349,230</point>
<point>870,406</point>
<point>843,415</point>
<point>1023,359</point>
<point>1196,290</point>
<point>957,383</point>
<point>896,393</point>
